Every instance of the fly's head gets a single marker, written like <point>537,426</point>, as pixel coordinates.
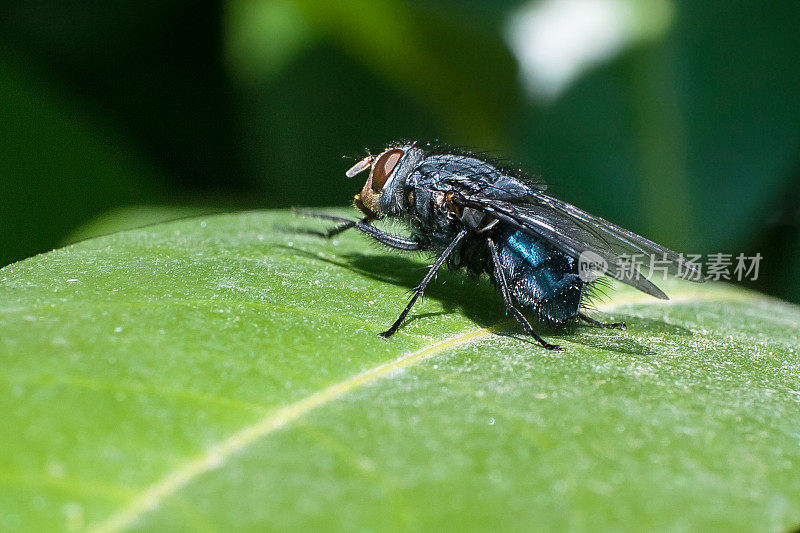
<point>387,172</point>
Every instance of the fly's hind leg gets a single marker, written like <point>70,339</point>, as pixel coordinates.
<point>501,281</point>
<point>606,325</point>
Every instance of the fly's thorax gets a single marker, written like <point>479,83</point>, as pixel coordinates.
<point>431,215</point>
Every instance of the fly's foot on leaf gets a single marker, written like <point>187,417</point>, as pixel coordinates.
<point>604,325</point>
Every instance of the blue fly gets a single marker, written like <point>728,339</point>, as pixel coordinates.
<point>474,213</point>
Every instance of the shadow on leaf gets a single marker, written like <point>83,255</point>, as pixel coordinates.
<point>478,300</point>
<point>456,291</point>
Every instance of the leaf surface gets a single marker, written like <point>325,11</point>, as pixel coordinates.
<point>224,373</point>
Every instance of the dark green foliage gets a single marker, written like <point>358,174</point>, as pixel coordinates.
<point>689,137</point>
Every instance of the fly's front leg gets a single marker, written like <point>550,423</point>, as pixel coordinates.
<point>606,325</point>
<point>389,239</point>
<point>336,230</point>
<point>363,225</point>
<point>506,293</point>
<point>344,224</point>
<point>420,289</point>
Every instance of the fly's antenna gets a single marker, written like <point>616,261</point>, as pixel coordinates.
<point>361,166</point>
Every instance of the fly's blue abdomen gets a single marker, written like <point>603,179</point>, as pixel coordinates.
<point>540,277</point>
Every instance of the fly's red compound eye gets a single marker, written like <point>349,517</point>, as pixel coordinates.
<point>383,168</point>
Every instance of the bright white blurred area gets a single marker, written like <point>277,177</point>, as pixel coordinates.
<point>555,41</point>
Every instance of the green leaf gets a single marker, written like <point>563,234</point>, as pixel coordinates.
<point>224,373</point>
<point>133,217</point>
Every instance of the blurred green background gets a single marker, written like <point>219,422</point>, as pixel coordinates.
<point>677,119</point>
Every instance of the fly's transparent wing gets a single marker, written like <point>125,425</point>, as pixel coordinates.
<point>624,241</point>
<point>576,232</point>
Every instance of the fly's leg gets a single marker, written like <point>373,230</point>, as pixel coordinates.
<point>344,224</point>
<point>420,289</point>
<point>501,281</point>
<point>606,325</point>
<point>389,239</point>
<point>336,230</point>
<point>363,225</point>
